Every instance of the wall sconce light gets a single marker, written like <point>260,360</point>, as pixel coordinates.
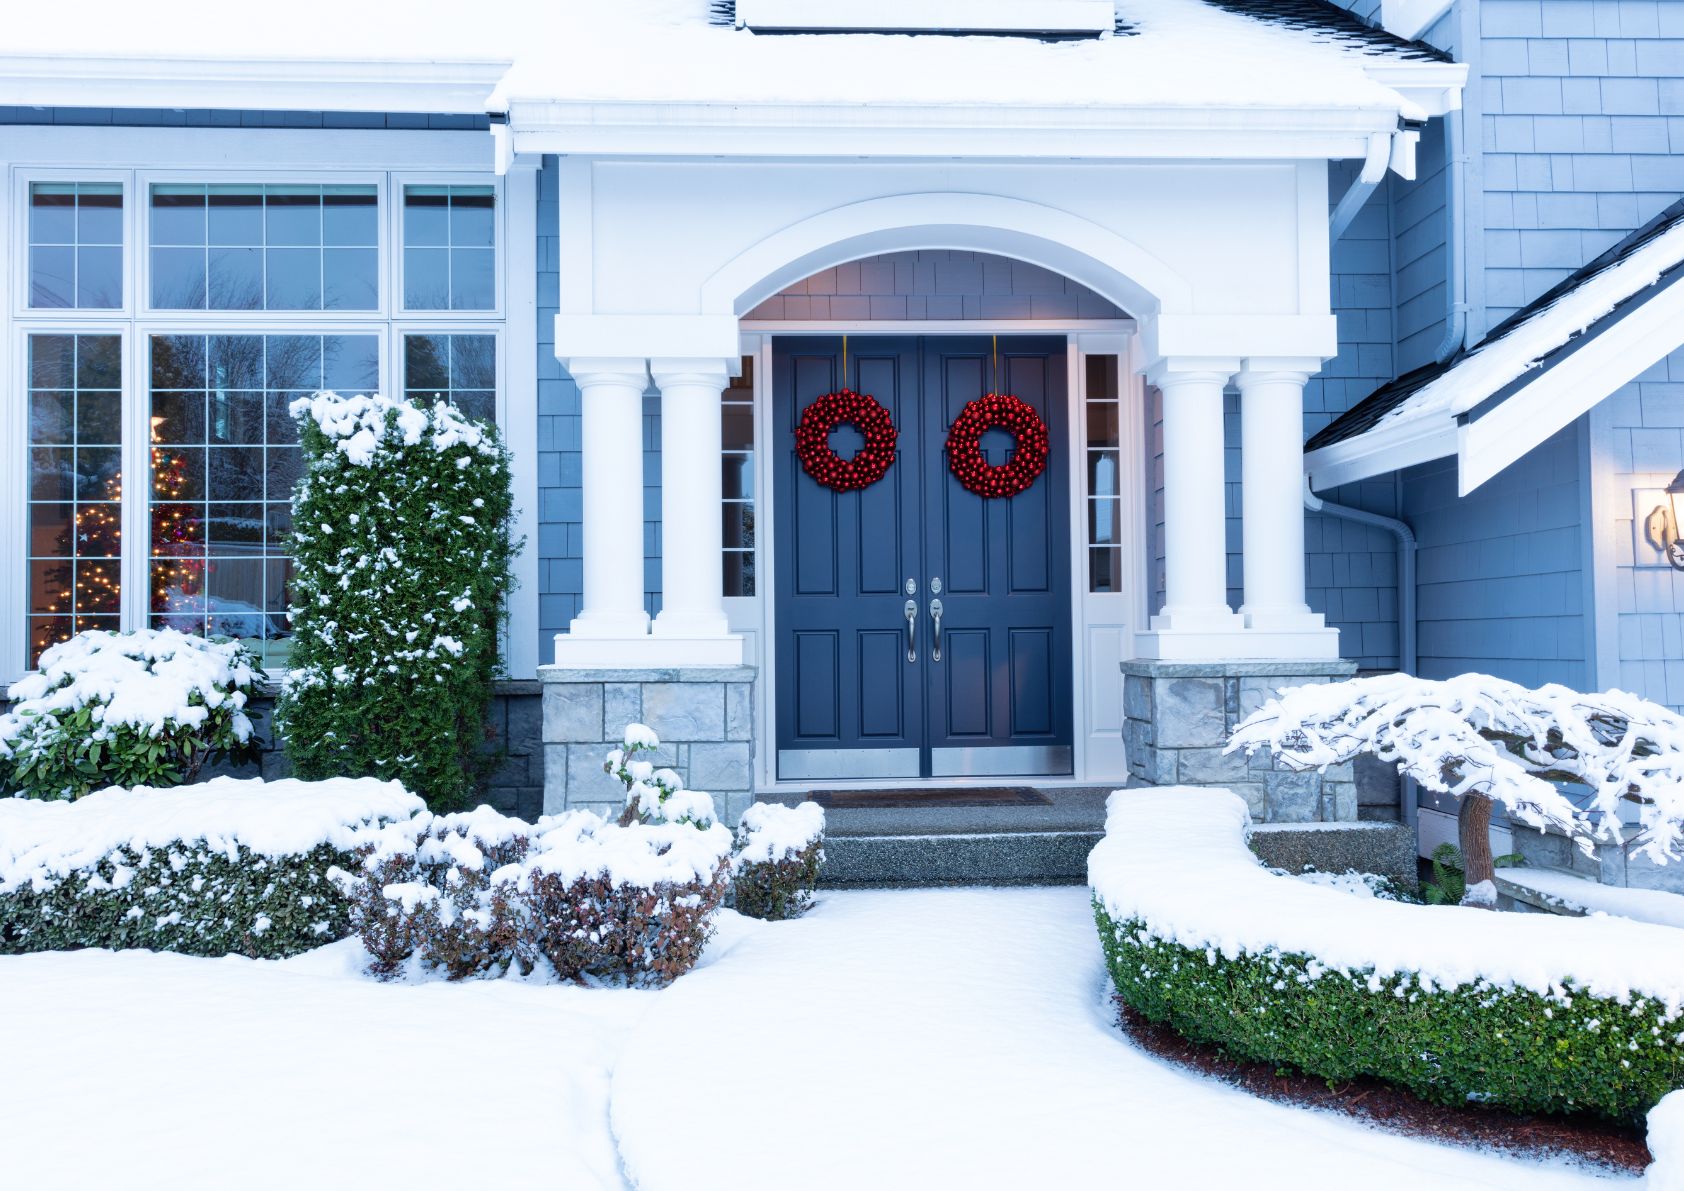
<point>1661,527</point>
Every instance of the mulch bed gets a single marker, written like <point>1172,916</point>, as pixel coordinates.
<point>1592,1140</point>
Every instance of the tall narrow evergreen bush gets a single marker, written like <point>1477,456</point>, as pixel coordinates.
<point>401,544</point>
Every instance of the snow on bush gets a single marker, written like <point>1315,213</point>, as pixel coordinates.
<point>126,709</point>
<point>401,545</point>
<point>779,850</point>
<point>481,894</point>
<point>654,795</point>
<point>228,866</point>
<point>1531,1012</point>
<point>1666,1144</point>
<point>1488,741</point>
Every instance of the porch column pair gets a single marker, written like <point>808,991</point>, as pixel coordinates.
<point>1274,621</point>
<point>612,627</point>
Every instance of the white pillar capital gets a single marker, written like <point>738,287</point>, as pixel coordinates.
<point>1173,371</point>
<point>701,370</point>
<point>608,370</point>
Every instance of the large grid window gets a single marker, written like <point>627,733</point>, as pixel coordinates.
<point>76,245</point>
<point>460,369</point>
<point>1104,473</point>
<point>224,458</point>
<point>75,486</point>
<point>449,248</point>
<point>737,410</point>
<point>264,247</point>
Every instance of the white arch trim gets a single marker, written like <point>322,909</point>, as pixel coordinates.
<point>1078,248</point>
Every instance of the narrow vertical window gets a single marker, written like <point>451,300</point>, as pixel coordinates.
<point>460,369</point>
<point>449,248</point>
<point>737,410</point>
<point>76,245</point>
<point>75,486</point>
<point>224,460</point>
<point>1104,475</point>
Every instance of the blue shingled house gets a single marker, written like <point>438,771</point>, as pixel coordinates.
<point>924,395</point>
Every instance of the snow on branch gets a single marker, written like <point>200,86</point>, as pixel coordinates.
<point>1479,735</point>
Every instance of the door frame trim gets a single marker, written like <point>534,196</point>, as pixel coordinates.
<point>756,616</point>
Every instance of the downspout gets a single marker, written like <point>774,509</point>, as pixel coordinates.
<point>1406,648</point>
<point>1455,174</point>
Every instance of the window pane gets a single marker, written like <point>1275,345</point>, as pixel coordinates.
<point>460,369</point>
<point>178,278</point>
<point>178,215</point>
<point>449,238</point>
<point>75,486</point>
<point>235,280</point>
<point>350,279</point>
<point>1104,522</point>
<point>75,245</point>
<point>224,465</point>
<point>294,279</point>
<point>234,216</point>
<point>1103,471</point>
<point>1105,569</point>
<point>350,216</point>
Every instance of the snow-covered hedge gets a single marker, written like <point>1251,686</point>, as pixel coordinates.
<point>779,850</point>
<point>1530,1012</point>
<point>125,709</point>
<point>401,545</point>
<point>483,894</point>
<point>224,867</point>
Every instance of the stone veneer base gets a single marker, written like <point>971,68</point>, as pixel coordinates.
<point>1178,717</point>
<point>704,716</point>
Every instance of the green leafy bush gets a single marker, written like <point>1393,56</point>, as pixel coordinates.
<point>227,867</point>
<point>147,708</point>
<point>1450,880</point>
<point>1485,1043</point>
<point>402,553</point>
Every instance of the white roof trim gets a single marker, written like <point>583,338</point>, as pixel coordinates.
<point>930,16</point>
<point>1411,18</point>
<point>272,84</point>
<point>1434,87</point>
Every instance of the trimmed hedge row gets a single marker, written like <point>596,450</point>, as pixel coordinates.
<point>1503,1046</point>
<point>191,899</point>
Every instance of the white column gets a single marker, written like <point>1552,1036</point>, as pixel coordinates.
<point>1195,519</point>
<point>1272,488</point>
<point>692,566</point>
<point>611,443</point>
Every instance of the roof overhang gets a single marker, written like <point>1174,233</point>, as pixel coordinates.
<point>1504,426</point>
<point>1048,18</point>
<point>272,84</point>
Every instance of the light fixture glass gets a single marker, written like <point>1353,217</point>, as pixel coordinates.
<point>1675,548</point>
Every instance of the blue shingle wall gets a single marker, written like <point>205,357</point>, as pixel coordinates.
<point>1500,583</point>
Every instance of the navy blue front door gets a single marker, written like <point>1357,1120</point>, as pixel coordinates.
<point>863,691</point>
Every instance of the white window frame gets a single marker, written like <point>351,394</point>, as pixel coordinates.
<point>136,158</point>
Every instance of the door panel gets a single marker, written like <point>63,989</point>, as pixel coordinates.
<point>998,701</point>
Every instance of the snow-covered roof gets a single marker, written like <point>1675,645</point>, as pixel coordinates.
<point>1291,54</point>
<point>1533,373</point>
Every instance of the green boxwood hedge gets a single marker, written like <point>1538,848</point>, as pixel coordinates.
<point>1498,1045</point>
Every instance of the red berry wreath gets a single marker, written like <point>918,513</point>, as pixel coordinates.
<point>964,455</point>
<point>861,411</point>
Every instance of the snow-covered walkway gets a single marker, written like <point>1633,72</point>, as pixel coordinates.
<point>934,1039</point>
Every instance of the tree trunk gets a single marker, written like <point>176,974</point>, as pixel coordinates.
<point>1473,831</point>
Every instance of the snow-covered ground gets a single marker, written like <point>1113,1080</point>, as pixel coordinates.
<point>940,1038</point>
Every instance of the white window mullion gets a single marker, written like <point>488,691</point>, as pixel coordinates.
<point>137,480</point>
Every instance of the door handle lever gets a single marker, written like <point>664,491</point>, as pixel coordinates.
<point>912,630</point>
<point>935,643</point>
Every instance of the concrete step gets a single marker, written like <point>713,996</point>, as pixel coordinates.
<point>988,858</point>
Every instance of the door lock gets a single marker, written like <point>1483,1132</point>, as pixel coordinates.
<point>935,643</point>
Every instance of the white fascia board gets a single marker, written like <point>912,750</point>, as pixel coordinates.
<point>896,130</point>
<point>930,16</point>
<point>1570,387</point>
<point>1433,87</point>
<point>1411,18</point>
<point>1389,447</point>
<point>272,84</point>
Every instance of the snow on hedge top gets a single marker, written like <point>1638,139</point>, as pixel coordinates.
<point>580,845</point>
<point>769,831</point>
<point>145,680</point>
<point>1178,53</point>
<point>363,426</point>
<point>42,841</point>
<point>1176,859</point>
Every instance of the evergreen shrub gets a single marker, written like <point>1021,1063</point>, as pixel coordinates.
<point>402,552</point>
<point>779,850</point>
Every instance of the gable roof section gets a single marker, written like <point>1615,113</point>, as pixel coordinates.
<point>1532,374</point>
<point>1323,19</point>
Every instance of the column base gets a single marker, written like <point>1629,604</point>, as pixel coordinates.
<point>1173,644</point>
<point>1290,619</point>
<point>645,651</point>
<point>609,624</point>
<point>692,625</point>
<point>1178,717</point>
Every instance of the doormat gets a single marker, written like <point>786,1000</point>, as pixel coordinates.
<point>860,800</point>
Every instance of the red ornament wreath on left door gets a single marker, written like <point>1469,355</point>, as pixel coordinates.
<point>845,408</point>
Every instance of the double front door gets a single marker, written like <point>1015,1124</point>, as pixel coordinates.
<point>921,630</point>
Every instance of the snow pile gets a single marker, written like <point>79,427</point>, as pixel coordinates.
<point>779,851</point>
<point>43,842</point>
<point>362,426</point>
<point>1209,892</point>
<point>1475,734</point>
<point>1666,1143</point>
<point>1640,905</point>
<point>1351,884</point>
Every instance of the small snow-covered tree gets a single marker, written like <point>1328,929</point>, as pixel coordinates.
<point>1490,742</point>
<point>401,546</point>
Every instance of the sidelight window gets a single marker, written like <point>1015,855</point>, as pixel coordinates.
<point>1104,475</point>
<point>737,410</point>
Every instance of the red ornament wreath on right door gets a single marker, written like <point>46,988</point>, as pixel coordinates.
<point>964,451</point>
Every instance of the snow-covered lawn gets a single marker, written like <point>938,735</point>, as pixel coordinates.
<point>940,1038</point>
